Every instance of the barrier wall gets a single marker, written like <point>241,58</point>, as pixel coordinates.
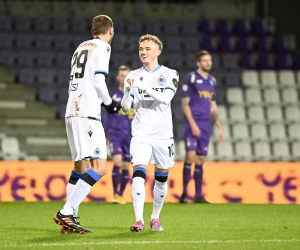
<point>224,182</point>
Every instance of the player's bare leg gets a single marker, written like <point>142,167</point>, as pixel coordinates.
<point>160,191</point>
<point>65,216</point>
<point>138,196</point>
<point>189,160</point>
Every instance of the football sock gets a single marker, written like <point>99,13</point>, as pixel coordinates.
<point>116,178</point>
<point>74,177</point>
<point>198,177</point>
<point>186,176</point>
<point>160,191</point>
<point>81,190</point>
<point>124,180</point>
<point>138,193</point>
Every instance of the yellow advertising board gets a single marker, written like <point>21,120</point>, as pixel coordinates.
<point>243,182</point>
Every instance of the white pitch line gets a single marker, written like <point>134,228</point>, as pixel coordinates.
<point>147,242</point>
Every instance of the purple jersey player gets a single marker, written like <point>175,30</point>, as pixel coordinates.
<point>118,132</point>
<point>199,106</point>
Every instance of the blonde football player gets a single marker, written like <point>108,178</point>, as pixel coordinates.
<point>151,89</point>
<point>87,91</point>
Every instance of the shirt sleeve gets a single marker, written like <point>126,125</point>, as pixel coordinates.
<point>173,80</point>
<point>186,87</point>
<point>102,59</point>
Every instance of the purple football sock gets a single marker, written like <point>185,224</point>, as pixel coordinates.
<point>186,176</point>
<point>124,180</point>
<point>198,177</point>
<point>116,178</point>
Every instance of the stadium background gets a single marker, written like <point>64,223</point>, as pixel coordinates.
<point>254,45</point>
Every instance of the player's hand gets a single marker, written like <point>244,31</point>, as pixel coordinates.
<point>129,81</point>
<point>112,108</point>
<point>220,135</point>
<point>195,130</point>
<point>127,87</point>
<point>140,85</point>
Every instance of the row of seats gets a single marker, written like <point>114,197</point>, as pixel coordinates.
<point>171,43</point>
<point>136,25</point>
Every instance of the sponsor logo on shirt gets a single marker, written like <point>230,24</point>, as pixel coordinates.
<point>205,94</point>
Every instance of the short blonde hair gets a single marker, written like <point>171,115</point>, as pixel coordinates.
<point>123,67</point>
<point>153,39</point>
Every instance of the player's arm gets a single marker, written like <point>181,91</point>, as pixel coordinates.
<point>128,95</point>
<point>187,111</point>
<point>215,118</point>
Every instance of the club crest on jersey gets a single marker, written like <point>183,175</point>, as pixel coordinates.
<point>175,82</point>
<point>161,79</point>
<point>97,151</point>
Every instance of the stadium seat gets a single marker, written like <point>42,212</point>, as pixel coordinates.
<point>216,62</point>
<point>61,111</point>
<point>240,131</point>
<point>249,61</point>
<point>260,27</point>
<point>26,58</point>
<point>227,44</point>
<point>62,76</point>
<point>79,25</point>
<point>23,41</point>
<point>230,60</point>
<point>7,58</point>
<point>292,113</point>
<point>175,61</point>
<point>210,43</point>
<point>63,59</point>
<point>189,27</point>
<point>43,41</point>
<point>266,61</point>
<point>294,132</point>
<point>243,151</point>
<point>10,149</point>
<point>119,59</point>
<point>246,44</point>
<point>253,96</point>
<point>295,150</point>
<point>281,151</point>
<point>134,26</point>
<point>226,132</point>
<point>268,78</point>
<point>281,44</point>
<point>190,62</point>
<point>284,61</point>
<point>224,27</point>
<point>170,26</point>
<point>46,94</point>
<point>211,154</point>
<point>173,44</point>
<point>256,114</point>
<point>250,78</point>
<point>207,26</point>
<point>27,76</point>
<point>274,114</point>
<point>45,77</point>
<point>277,131</point>
<point>62,95</point>
<point>179,150</point>
<point>44,59</point>
<point>290,96</point>
<point>220,95</point>
<point>62,42</point>
<point>153,26</point>
<point>77,40</point>
<point>242,27</point>
<point>262,151</point>
<point>22,24</point>
<point>191,44</point>
<point>222,113</point>
<point>258,132</point>
<point>132,44</point>
<point>298,77</point>
<point>234,96</point>
<point>225,151</point>
<point>5,23</point>
<point>60,25</point>
<point>237,114</point>
<point>264,43</point>
<point>232,78</point>
<point>271,96</point>
<point>120,25</point>
<point>119,43</point>
<point>6,40</point>
<point>286,78</point>
<point>41,24</point>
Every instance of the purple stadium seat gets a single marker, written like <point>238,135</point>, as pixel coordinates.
<point>22,24</point>
<point>246,43</point>
<point>189,27</point>
<point>260,27</point>
<point>62,77</point>
<point>46,94</point>
<point>175,61</point>
<point>152,26</point>
<point>224,27</point>
<point>63,95</point>
<point>134,26</point>
<point>209,43</point>
<point>231,60</point>
<point>170,26</point>
<point>44,59</point>
<point>79,25</point>
<point>191,44</point>
<point>266,61</point>
<point>249,61</point>
<point>216,64</point>
<point>119,43</point>
<point>41,24</point>
<point>6,40</point>
<point>242,27</point>
<point>227,44</point>
<point>7,58</point>
<point>207,26</point>
<point>61,42</point>
<point>23,41</point>
<point>297,62</point>
<point>61,111</point>
<point>264,43</point>
<point>25,58</point>
<point>60,24</point>
<point>45,77</point>
<point>5,23</point>
<point>281,44</point>
<point>63,59</point>
<point>232,78</point>
<point>284,61</point>
<point>43,41</point>
<point>27,76</point>
<point>172,44</point>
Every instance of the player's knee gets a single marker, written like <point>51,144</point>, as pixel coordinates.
<point>139,172</point>
<point>200,159</point>
<point>161,177</point>
<point>99,166</point>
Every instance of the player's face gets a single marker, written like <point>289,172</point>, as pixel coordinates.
<point>121,77</point>
<point>149,51</point>
<point>205,63</point>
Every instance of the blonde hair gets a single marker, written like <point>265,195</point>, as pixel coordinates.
<point>153,39</point>
<point>123,67</point>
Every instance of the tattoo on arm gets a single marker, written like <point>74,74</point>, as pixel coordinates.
<point>214,116</point>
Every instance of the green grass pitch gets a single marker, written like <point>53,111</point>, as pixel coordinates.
<point>186,226</point>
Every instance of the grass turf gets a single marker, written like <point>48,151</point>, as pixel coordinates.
<point>186,226</point>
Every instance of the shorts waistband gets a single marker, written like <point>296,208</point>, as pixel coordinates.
<point>94,118</point>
